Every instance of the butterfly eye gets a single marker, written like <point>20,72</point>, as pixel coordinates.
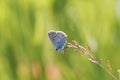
<point>52,33</point>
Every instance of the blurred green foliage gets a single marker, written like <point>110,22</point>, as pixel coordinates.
<point>26,52</point>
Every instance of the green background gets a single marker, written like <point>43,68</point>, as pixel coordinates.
<point>26,52</point>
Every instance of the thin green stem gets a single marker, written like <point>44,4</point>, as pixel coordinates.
<point>92,57</point>
<point>111,74</point>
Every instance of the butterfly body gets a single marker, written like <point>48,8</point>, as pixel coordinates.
<point>58,38</point>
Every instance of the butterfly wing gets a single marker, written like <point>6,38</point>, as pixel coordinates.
<point>52,36</point>
<point>58,38</point>
<point>61,40</point>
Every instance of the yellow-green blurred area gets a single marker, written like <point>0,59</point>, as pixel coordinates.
<point>26,52</point>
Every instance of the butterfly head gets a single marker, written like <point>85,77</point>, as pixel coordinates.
<point>52,33</point>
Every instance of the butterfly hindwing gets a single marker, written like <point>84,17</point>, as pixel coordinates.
<point>61,40</point>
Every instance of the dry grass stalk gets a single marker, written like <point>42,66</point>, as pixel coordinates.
<point>92,58</point>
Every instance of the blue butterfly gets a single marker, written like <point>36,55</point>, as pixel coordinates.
<point>59,39</point>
